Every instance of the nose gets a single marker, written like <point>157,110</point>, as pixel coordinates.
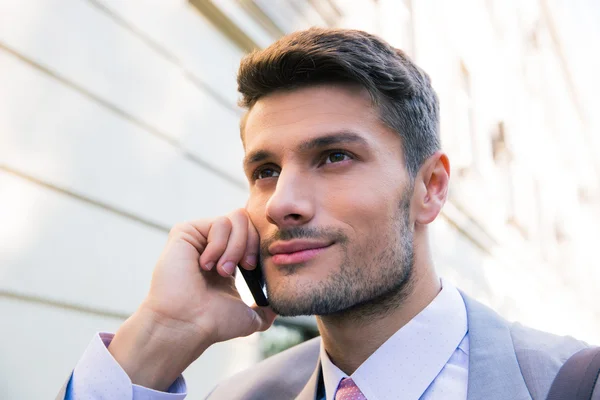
<point>291,204</point>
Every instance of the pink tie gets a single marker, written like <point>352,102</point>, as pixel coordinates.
<point>347,390</point>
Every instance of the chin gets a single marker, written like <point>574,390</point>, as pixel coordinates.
<point>292,306</point>
<point>292,295</point>
<point>308,294</point>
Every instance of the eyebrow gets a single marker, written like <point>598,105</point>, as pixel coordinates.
<point>311,144</point>
<point>332,138</point>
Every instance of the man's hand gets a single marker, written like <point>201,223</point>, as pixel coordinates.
<point>192,302</point>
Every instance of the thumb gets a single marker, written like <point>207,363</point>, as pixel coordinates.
<point>264,317</point>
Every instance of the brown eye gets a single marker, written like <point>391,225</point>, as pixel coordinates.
<point>336,156</point>
<point>266,173</point>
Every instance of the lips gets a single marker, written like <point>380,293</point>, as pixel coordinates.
<point>296,251</point>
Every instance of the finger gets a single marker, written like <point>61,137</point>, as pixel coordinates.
<point>250,259</point>
<point>194,232</point>
<point>264,317</point>
<point>218,236</point>
<point>236,245</point>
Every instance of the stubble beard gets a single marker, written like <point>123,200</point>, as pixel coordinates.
<point>364,287</point>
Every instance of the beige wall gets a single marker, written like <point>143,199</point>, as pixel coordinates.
<point>118,119</point>
<point>539,199</point>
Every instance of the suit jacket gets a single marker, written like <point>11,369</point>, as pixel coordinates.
<point>507,361</point>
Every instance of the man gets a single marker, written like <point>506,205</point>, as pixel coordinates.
<point>345,173</point>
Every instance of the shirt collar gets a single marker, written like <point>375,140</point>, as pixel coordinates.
<point>418,351</point>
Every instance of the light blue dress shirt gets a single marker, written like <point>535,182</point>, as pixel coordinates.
<point>427,359</point>
<point>97,375</point>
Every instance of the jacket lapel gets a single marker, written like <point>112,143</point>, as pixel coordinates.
<point>494,372</point>
<point>309,392</point>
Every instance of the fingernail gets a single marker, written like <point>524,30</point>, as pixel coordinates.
<point>228,267</point>
<point>209,265</point>
<point>251,260</point>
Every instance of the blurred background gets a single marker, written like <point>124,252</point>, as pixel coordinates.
<point>118,119</point>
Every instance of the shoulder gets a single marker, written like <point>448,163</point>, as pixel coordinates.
<point>545,344</point>
<point>281,376</point>
<point>541,354</point>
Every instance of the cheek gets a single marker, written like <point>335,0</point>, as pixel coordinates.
<point>255,207</point>
<point>361,206</point>
<point>368,217</point>
<point>368,192</point>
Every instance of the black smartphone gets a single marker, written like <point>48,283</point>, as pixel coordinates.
<point>256,282</point>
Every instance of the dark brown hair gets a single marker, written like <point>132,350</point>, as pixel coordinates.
<point>398,88</point>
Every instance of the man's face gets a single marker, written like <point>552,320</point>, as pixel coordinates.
<point>330,198</point>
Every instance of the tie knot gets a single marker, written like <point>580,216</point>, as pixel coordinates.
<point>347,390</point>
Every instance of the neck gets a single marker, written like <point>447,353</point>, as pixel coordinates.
<point>363,329</point>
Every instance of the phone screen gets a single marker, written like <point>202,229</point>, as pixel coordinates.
<point>256,282</point>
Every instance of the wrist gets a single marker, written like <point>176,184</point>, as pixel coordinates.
<point>154,350</point>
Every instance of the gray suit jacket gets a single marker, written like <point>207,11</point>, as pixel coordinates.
<point>507,361</point>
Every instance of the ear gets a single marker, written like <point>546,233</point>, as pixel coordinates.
<point>431,188</point>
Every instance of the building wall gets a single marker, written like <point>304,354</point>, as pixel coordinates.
<point>119,119</point>
<point>525,164</point>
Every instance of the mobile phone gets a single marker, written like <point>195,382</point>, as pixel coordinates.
<point>256,282</point>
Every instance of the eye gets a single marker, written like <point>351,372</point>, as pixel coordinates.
<point>337,156</point>
<point>266,172</point>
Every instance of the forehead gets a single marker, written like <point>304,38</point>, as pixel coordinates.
<point>288,117</point>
